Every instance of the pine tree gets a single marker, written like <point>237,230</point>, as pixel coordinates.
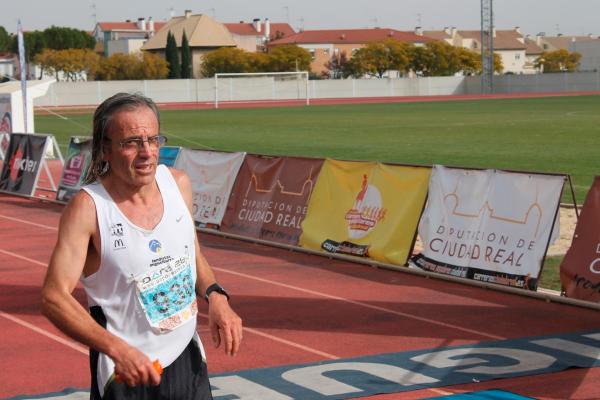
<point>172,56</point>
<point>186,58</point>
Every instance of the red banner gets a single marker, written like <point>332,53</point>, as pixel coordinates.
<point>580,269</point>
<point>270,197</point>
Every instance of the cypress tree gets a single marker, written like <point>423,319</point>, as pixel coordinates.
<point>186,58</point>
<point>172,56</point>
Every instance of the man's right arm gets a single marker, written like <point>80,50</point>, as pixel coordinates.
<point>76,230</point>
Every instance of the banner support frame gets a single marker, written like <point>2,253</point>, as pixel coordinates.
<point>573,196</point>
<point>556,215</point>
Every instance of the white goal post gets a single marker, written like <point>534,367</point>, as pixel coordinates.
<point>261,86</point>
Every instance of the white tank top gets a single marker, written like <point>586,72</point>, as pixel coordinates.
<point>146,282</point>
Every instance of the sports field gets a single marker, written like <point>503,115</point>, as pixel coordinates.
<point>557,134</point>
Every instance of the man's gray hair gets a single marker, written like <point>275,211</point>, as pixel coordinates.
<point>102,118</point>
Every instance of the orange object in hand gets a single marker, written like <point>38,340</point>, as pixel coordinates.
<point>155,364</point>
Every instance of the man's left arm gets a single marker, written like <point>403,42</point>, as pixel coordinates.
<point>225,325</point>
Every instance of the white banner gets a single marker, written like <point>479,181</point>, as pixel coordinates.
<point>490,225</point>
<point>212,175</point>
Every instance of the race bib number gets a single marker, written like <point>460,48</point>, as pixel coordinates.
<point>167,295</point>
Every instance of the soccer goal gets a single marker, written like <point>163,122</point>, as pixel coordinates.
<point>261,87</point>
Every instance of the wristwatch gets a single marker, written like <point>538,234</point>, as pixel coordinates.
<point>215,287</point>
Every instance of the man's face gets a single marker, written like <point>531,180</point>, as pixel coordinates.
<point>134,166</point>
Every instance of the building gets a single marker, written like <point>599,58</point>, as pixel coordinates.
<point>8,66</point>
<point>508,44</point>
<point>590,54</point>
<point>560,42</point>
<point>253,36</point>
<point>448,35</point>
<point>533,51</point>
<point>325,44</point>
<point>124,37</point>
<point>588,46</point>
<point>204,35</point>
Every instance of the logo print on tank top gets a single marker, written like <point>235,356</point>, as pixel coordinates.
<point>155,246</point>
<point>116,232</point>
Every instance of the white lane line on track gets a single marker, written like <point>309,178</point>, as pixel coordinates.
<point>287,342</point>
<point>321,294</point>
<point>52,228</point>
<point>255,331</point>
<point>66,342</point>
<point>31,260</point>
<point>362,304</point>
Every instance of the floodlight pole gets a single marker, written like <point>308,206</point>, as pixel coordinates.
<point>487,46</point>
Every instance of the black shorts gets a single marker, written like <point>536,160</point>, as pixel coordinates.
<point>186,379</point>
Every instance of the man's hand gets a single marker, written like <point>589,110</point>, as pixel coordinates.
<point>225,325</point>
<point>135,368</point>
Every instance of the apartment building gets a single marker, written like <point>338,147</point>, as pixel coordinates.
<point>124,37</point>
<point>253,36</point>
<point>325,44</point>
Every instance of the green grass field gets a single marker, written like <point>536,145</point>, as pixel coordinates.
<point>556,134</point>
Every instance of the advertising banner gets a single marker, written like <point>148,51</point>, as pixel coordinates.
<point>77,162</point>
<point>492,226</point>
<point>23,162</point>
<point>270,197</point>
<point>5,124</point>
<point>580,269</point>
<point>168,155</point>
<point>212,174</point>
<point>365,209</point>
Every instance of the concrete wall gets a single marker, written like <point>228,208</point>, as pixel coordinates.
<point>539,83</point>
<point>262,88</point>
<point>590,54</point>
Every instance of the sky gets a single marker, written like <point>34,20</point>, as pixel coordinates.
<point>570,17</point>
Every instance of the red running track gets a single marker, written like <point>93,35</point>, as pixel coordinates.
<point>297,308</point>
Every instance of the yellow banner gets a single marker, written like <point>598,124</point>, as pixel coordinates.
<point>365,209</point>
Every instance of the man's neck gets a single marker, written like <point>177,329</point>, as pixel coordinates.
<point>123,192</point>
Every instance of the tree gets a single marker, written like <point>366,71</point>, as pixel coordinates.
<point>357,66</point>
<point>257,62</point>
<point>34,43</point>
<point>441,59</point>
<point>337,65</point>
<point>420,60</point>
<point>558,61</point>
<point>289,58</point>
<point>186,58</point>
<point>121,66</point>
<point>470,61</point>
<point>498,66</point>
<point>172,56</point>
<point>377,58</point>
<point>444,59</point>
<point>153,66</point>
<point>45,60</point>
<point>74,64</point>
<point>4,40</point>
<point>225,60</point>
<point>60,38</point>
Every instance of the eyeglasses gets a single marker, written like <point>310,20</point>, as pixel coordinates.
<point>137,144</point>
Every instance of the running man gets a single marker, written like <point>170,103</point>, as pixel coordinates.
<point>128,237</point>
